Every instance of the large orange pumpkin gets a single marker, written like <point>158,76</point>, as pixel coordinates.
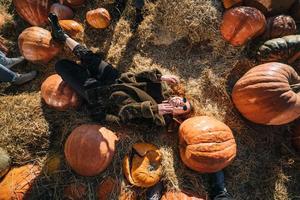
<point>62,11</point>
<point>58,94</point>
<point>4,162</point>
<point>71,27</point>
<point>272,7</point>
<point>98,18</point>
<point>242,24</point>
<point>206,145</point>
<point>229,3</point>
<point>73,3</point>
<point>89,149</point>
<point>18,182</point>
<point>180,196</point>
<point>75,191</point>
<point>35,12</point>
<point>268,94</point>
<point>36,45</point>
<point>296,136</point>
<point>144,169</point>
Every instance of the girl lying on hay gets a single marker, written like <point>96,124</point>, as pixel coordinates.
<point>125,97</point>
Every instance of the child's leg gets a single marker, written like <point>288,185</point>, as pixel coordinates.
<point>6,75</point>
<point>217,184</point>
<point>9,62</point>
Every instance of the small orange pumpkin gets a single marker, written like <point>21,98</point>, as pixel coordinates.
<point>35,12</point>
<point>89,149</point>
<point>242,24</point>
<point>36,45</point>
<point>268,94</point>
<point>4,162</point>
<point>144,169</point>
<point>18,182</point>
<point>72,27</point>
<point>206,145</point>
<point>75,191</point>
<point>58,94</point>
<point>98,18</point>
<point>296,136</point>
<point>229,3</point>
<point>62,11</point>
<point>176,195</point>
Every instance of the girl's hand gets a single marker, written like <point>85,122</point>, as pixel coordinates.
<point>170,79</point>
<point>165,108</point>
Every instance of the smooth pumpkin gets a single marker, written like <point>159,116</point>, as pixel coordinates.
<point>98,18</point>
<point>89,149</point>
<point>206,145</point>
<point>296,136</point>
<point>37,46</point>
<point>271,7</point>
<point>62,12</point>
<point>75,191</point>
<point>229,3</point>
<point>4,162</point>
<point>176,195</point>
<point>268,94</point>
<point>18,182</point>
<point>35,12</point>
<point>241,24</point>
<point>71,27</point>
<point>58,94</point>
<point>144,169</point>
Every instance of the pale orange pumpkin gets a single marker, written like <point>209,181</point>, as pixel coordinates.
<point>58,94</point>
<point>229,3</point>
<point>73,3</point>
<point>98,18</point>
<point>37,46</point>
<point>71,27</point>
<point>144,170</point>
<point>35,12</point>
<point>176,195</point>
<point>89,149</point>
<point>18,182</point>
<point>75,191</point>
<point>268,94</point>
<point>206,145</point>
<point>62,12</point>
<point>241,24</point>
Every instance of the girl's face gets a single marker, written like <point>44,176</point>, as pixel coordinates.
<point>181,105</point>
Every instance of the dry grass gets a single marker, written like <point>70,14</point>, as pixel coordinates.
<point>178,37</point>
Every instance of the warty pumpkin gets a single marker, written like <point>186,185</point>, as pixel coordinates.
<point>271,7</point>
<point>268,94</point>
<point>71,27</point>
<point>37,46</point>
<point>206,145</point>
<point>229,3</point>
<point>35,12</point>
<point>4,162</point>
<point>18,182</point>
<point>89,149</point>
<point>241,24</point>
<point>143,167</point>
<point>58,94</point>
<point>296,136</point>
<point>73,3</point>
<point>62,12</point>
<point>75,191</point>
<point>98,18</point>
<point>177,195</point>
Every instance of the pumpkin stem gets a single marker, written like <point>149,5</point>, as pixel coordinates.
<point>296,87</point>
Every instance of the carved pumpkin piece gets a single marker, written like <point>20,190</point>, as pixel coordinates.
<point>36,45</point>
<point>35,12</point>
<point>58,94</point>
<point>71,27</point>
<point>4,162</point>
<point>75,191</point>
<point>180,196</point>
<point>229,3</point>
<point>206,144</point>
<point>18,182</point>
<point>268,94</point>
<point>271,7</point>
<point>98,18</point>
<point>63,12</point>
<point>89,149</point>
<point>143,168</point>
<point>242,24</point>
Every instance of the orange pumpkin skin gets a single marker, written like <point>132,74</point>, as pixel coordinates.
<point>271,7</point>
<point>296,136</point>
<point>37,46</point>
<point>242,24</point>
<point>229,3</point>
<point>62,12</point>
<point>180,196</point>
<point>206,145</point>
<point>35,12</point>
<point>72,27</point>
<point>18,182</point>
<point>98,18</point>
<point>265,95</point>
<point>89,149</point>
<point>75,191</point>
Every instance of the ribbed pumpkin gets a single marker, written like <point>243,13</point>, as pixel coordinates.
<point>4,162</point>
<point>58,94</point>
<point>98,18</point>
<point>206,145</point>
<point>271,7</point>
<point>37,46</point>
<point>279,26</point>
<point>35,12</point>
<point>89,149</point>
<point>229,3</point>
<point>73,3</point>
<point>268,94</point>
<point>71,27</point>
<point>75,191</point>
<point>144,169</point>
<point>18,182</point>
<point>242,24</point>
<point>180,196</point>
<point>62,11</point>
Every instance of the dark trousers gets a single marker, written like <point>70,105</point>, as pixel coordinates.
<point>139,4</point>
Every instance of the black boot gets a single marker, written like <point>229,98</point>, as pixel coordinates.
<point>217,187</point>
<point>57,33</point>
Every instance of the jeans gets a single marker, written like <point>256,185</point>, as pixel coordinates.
<point>139,4</point>
<point>6,75</point>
